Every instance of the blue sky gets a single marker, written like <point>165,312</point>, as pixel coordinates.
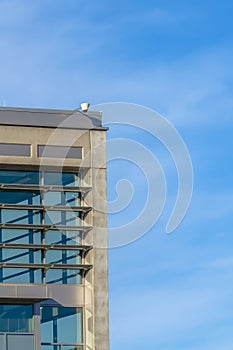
<point>167,292</point>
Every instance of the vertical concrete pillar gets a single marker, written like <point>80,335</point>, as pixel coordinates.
<point>100,240</point>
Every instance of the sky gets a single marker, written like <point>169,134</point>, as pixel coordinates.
<point>166,292</point>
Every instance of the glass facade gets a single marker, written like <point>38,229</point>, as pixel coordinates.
<point>41,242</point>
<point>53,322</point>
<point>16,327</point>
<point>41,227</point>
<point>61,328</point>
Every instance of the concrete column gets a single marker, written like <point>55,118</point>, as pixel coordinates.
<point>100,252</point>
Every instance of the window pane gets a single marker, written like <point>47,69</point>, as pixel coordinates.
<point>16,318</point>
<point>61,179</point>
<point>2,342</point>
<point>20,275</point>
<point>23,256</point>
<point>33,178</point>
<point>72,199</point>
<point>19,217</point>
<point>59,218</point>
<point>59,151</point>
<point>63,276</point>
<point>20,198</point>
<point>24,342</point>
<point>15,149</point>
<point>19,177</point>
<point>63,257</point>
<point>63,237</point>
<point>19,236</point>
<point>64,325</point>
<point>62,198</point>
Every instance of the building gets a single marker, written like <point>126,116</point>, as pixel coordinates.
<point>53,236</point>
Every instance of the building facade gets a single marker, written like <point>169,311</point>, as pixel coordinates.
<point>53,230</point>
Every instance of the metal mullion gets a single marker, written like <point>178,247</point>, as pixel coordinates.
<point>1,271</point>
<point>43,231</point>
<point>64,253</point>
<point>31,233</point>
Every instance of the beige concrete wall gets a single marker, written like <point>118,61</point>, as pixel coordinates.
<point>44,136</point>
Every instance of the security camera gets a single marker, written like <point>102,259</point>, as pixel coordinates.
<point>84,106</point>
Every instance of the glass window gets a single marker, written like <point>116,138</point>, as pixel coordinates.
<point>19,177</point>
<point>63,276</point>
<point>62,198</point>
<point>20,236</point>
<point>15,149</point>
<point>67,218</point>
<point>23,256</point>
<point>2,341</point>
<point>59,151</point>
<point>61,325</point>
<point>20,275</point>
<point>20,198</point>
<point>63,237</point>
<point>63,257</point>
<point>62,218</point>
<point>19,217</point>
<point>16,318</point>
<point>34,178</point>
<point>61,179</point>
<point>25,342</point>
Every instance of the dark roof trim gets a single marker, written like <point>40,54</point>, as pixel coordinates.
<point>51,118</point>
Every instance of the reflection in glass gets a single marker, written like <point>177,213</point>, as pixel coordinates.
<point>20,217</point>
<point>61,325</point>
<point>35,178</point>
<point>20,236</point>
<point>16,318</point>
<point>2,342</point>
<point>63,257</point>
<point>20,198</point>
<point>20,275</point>
<point>61,179</point>
<point>62,218</point>
<point>23,256</point>
<point>22,341</point>
<point>63,237</point>
<point>63,276</point>
<point>40,236</point>
<point>68,199</point>
<point>19,177</point>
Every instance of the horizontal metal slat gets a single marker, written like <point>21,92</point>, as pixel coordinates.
<point>46,227</point>
<point>84,267</point>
